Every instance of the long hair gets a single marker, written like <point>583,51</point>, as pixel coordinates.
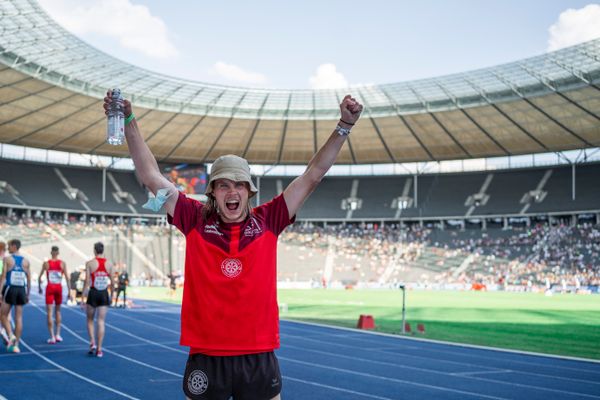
<point>211,209</point>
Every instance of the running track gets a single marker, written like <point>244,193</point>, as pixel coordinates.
<point>144,361</point>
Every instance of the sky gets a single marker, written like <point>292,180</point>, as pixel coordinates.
<point>313,44</point>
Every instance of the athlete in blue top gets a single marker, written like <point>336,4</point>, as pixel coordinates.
<point>16,283</point>
<point>2,331</point>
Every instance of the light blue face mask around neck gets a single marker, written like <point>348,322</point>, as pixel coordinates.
<point>155,203</point>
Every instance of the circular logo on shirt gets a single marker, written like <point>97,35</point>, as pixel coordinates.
<point>231,267</point>
<point>197,382</point>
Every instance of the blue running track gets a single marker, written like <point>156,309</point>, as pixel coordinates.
<point>143,360</point>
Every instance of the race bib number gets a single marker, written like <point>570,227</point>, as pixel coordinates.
<point>101,282</point>
<point>55,277</point>
<point>79,285</point>
<point>18,278</point>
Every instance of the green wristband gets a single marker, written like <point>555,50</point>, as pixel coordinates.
<point>129,119</point>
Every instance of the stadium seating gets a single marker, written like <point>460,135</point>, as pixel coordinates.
<point>439,196</point>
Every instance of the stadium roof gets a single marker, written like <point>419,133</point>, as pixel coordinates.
<point>52,83</point>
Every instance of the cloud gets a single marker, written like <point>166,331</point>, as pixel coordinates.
<point>327,77</point>
<point>132,25</point>
<point>238,74</point>
<point>575,26</point>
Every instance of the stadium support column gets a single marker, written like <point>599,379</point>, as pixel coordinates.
<point>573,181</point>
<point>117,256</point>
<point>416,196</point>
<point>104,185</point>
<point>130,248</point>
<point>403,288</point>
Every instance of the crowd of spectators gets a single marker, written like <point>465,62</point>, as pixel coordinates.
<point>561,257</point>
<point>543,256</point>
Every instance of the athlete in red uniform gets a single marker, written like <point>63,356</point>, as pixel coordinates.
<point>54,269</point>
<point>98,281</point>
<point>229,315</point>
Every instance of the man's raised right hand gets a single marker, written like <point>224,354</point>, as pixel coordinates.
<point>108,100</point>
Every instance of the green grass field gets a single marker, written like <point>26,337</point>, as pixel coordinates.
<point>561,324</point>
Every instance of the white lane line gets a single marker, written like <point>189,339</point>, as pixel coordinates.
<point>367,375</point>
<point>492,369</point>
<point>367,360</point>
<point>75,374</point>
<point>133,360</point>
<point>500,371</point>
<point>156,314</point>
<point>454,353</point>
<point>337,389</point>
<point>498,382</point>
<point>354,347</point>
<point>29,371</point>
<point>454,344</point>
<point>83,348</point>
<point>65,327</point>
<point>162,328</point>
<point>138,337</point>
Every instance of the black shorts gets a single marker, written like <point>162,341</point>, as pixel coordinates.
<point>14,295</point>
<point>98,298</point>
<point>247,377</point>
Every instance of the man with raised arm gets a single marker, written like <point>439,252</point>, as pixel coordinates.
<point>54,269</point>
<point>229,314</point>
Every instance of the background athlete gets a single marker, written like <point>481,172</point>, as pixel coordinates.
<point>98,282</point>
<point>16,284</point>
<point>54,269</point>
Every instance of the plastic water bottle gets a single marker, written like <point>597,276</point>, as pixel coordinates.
<point>115,129</point>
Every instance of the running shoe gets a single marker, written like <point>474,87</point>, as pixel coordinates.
<point>59,339</point>
<point>92,349</point>
<point>51,341</point>
<point>99,354</point>
<point>11,342</point>
<point>13,348</point>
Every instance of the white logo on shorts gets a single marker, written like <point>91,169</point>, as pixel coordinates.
<point>231,267</point>
<point>197,382</point>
